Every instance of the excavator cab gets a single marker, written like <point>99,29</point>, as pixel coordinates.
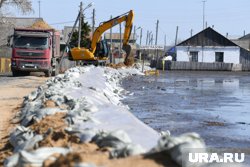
<point>102,49</point>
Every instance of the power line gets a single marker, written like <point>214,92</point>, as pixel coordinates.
<point>68,21</point>
<point>62,22</point>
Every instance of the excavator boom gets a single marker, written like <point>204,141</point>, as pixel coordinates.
<point>89,54</point>
<point>127,17</point>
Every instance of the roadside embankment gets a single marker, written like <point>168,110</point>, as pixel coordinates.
<point>77,119</point>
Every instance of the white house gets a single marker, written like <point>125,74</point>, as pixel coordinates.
<point>208,46</point>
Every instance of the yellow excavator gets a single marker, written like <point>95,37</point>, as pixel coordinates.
<point>98,52</point>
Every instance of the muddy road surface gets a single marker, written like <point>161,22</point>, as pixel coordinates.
<point>214,104</point>
<point>12,91</point>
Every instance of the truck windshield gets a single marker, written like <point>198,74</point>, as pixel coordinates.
<point>31,42</point>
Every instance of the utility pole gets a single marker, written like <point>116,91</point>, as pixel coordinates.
<point>147,37</point>
<point>93,22</point>
<point>134,34</point>
<point>151,41</point>
<point>152,38</point>
<point>156,40</point>
<point>68,40</point>
<point>176,35</point>
<point>111,43</point>
<point>140,52</point>
<point>165,42</point>
<point>156,34</point>
<point>39,9</point>
<point>191,32</point>
<point>140,36</point>
<point>120,48</point>
<point>204,3</point>
<point>80,26</point>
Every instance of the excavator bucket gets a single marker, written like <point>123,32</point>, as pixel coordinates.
<point>129,59</point>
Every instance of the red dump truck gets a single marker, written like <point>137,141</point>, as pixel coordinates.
<point>35,50</point>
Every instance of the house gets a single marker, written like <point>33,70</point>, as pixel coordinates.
<point>116,37</point>
<point>116,40</point>
<point>243,42</point>
<point>209,46</point>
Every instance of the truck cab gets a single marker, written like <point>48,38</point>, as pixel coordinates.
<point>35,50</point>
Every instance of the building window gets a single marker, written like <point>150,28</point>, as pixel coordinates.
<point>219,57</point>
<point>194,56</point>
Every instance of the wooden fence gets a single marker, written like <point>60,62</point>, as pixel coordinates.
<point>5,65</point>
<point>245,59</point>
<point>178,65</point>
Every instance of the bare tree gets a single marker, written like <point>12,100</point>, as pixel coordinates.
<point>25,6</point>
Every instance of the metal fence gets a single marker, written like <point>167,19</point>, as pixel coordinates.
<point>177,65</point>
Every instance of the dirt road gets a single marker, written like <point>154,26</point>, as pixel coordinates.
<point>12,91</point>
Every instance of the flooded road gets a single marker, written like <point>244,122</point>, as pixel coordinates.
<point>214,104</point>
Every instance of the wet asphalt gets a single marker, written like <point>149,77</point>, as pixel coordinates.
<point>214,104</point>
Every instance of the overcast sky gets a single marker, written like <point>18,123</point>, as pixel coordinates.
<point>227,16</point>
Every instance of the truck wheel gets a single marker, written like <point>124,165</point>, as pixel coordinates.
<point>48,73</point>
<point>15,73</point>
<point>25,73</point>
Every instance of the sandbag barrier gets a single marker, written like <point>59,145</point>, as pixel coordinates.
<point>80,110</point>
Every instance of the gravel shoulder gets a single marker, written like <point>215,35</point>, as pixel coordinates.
<point>12,91</point>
